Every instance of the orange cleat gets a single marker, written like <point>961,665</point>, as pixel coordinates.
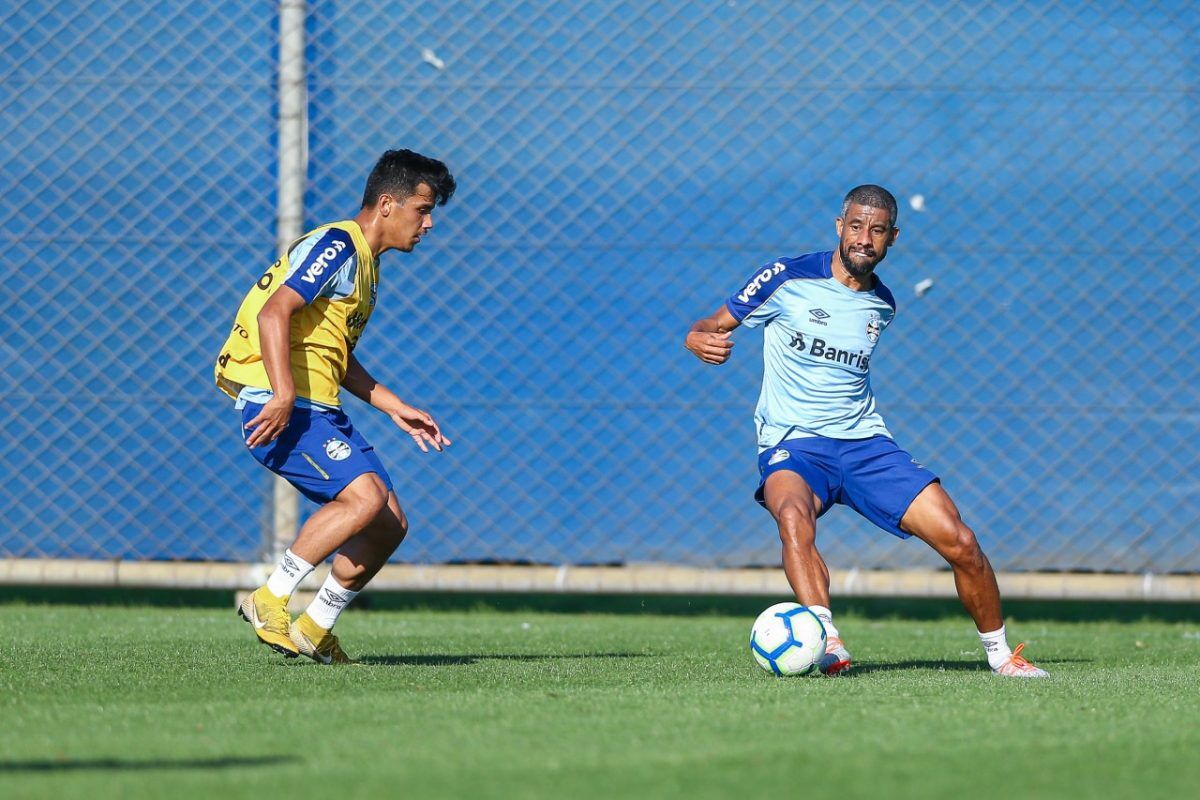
<point>1018,667</point>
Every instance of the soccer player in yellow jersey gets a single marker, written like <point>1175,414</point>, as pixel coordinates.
<point>290,353</point>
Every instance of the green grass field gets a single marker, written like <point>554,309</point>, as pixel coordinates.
<point>143,701</point>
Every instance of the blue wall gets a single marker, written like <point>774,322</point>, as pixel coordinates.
<point>622,168</point>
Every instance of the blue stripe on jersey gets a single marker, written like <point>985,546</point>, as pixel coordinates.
<point>884,293</point>
<point>767,280</point>
<point>319,266</point>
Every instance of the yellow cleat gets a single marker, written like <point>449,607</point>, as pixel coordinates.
<point>269,617</point>
<point>311,640</point>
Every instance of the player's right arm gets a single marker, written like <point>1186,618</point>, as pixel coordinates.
<point>274,330</point>
<point>318,263</point>
<point>709,338</point>
<point>756,304</point>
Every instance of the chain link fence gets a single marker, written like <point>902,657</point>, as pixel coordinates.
<point>136,159</point>
<point>623,168</point>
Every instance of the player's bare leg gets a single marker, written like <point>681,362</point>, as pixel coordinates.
<point>367,551</point>
<point>333,524</point>
<point>933,518</point>
<point>356,562</point>
<point>795,507</point>
<point>361,502</point>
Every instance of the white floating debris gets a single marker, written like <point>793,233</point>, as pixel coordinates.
<point>431,58</point>
<point>917,201</point>
<point>923,287</point>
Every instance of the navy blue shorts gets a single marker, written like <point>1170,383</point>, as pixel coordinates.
<point>319,452</point>
<point>873,476</point>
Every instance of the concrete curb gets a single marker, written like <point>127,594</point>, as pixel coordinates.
<point>632,579</point>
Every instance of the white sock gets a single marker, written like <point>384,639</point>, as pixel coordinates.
<point>287,576</point>
<point>995,644</point>
<point>826,617</point>
<point>331,600</point>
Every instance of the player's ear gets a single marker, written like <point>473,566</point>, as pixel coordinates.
<point>837,223</point>
<point>892,238</point>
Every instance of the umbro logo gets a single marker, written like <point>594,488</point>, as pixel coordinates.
<point>332,598</point>
<point>819,315</point>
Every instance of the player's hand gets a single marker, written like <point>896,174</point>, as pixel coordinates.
<point>711,348</point>
<point>420,426</point>
<point>270,422</point>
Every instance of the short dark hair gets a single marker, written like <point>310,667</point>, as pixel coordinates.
<point>400,172</point>
<point>872,196</point>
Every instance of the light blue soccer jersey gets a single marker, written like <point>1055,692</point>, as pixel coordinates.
<point>333,280</point>
<point>818,340</point>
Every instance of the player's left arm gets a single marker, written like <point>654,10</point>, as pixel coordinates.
<point>416,423</point>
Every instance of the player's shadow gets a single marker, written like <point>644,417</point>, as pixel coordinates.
<point>463,659</point>
<point>974,665</point>
<point>140,764</point>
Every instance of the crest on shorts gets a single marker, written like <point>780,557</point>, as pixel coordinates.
<point>777,456</point>
<point>337,450</point>
<point>874,326</point>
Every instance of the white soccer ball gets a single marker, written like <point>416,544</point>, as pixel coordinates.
<point>788,639</point>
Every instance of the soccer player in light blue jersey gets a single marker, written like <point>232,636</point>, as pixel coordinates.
<point>821,440</point>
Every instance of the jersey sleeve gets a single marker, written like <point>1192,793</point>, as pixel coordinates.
<point>318,261</point>
<point>754,304</point>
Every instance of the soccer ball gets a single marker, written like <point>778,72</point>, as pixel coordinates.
<point>788,639</point>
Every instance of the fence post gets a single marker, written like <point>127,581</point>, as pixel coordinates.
<point>293,168</point>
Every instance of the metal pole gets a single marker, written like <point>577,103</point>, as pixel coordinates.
<point>293,169</point>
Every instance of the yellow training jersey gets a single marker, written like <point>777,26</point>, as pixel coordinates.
<point>333,269</point>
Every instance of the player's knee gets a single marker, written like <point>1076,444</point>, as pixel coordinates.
<point>367,497</point>
<point>963,548</point>
<point>797,525</point>
<point>375,503</point>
